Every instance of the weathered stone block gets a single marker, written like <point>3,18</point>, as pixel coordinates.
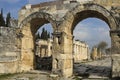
<point>116,65</point>
<point>67,63</point>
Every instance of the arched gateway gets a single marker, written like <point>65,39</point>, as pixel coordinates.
<point>64,19</point>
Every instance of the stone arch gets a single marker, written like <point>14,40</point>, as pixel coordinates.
<point>72,18</point>
<point>28,27</point>
<point>41,15</point>
<point>87,10</point>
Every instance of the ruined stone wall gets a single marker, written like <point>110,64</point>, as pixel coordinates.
<point>7,40</point>
<point>9,54</point>
<point>9,66</point>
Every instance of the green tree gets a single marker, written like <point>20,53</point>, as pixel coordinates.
<point>2,21</point>
<point>48,35</point>
<point>37,36</point>
<point>108,50</point>
<point>102,46</point>
<point>8,19</point>
<point>45,35</point>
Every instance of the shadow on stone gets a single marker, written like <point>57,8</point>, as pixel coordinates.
<point>85,75</point>
<point>87,71</point>
<point>116,78</point>
<point>44,63</point>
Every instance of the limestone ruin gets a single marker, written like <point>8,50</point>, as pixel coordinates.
<point>64,15</point>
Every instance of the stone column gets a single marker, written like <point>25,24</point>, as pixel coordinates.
<point>67,55</point>
<point>62,54</point>
<point>39,51</point>
<point>115,50</point>
<point>77,49</point>
<point>74,49</point>
<point>74,54</point>
<point>49,50</point>
<point>56,54</point>
<point>27,49</point>
<point>80,49</point>
<point>88,54</point>
<point>80,52</point>
<point>77,53</point>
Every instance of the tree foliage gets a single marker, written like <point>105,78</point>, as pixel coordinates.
<point>102,46</point>
<point>45,35</point>
<point>48,35</point>
<point>8,19</point>
<point>37,36</point>
<point>2,21</point>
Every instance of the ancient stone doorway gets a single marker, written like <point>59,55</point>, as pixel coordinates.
<point>30,25</point>
<point>43,48</point>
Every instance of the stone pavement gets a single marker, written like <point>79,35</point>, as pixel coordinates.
<point>94,69</point>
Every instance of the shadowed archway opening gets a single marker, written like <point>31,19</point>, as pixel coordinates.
<point>89,29</point>
<point>31,59</point>
<point>89,33</point>
<point>43,47</point>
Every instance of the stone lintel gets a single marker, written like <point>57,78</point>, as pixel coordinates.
<point>64,56</point>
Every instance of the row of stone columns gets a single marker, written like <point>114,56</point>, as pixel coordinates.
<point>80,51</point>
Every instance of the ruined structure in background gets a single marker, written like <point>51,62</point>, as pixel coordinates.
<point>94,54</point>
<point>64,15</point>
<point>43,54</point>
<point>44,48</point>
<point>80,51</point>
<point>9,53</point>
